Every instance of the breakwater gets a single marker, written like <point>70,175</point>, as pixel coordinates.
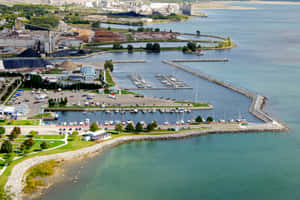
<point>129,61</point>
<point>258,101</point>
<point>200,60</point>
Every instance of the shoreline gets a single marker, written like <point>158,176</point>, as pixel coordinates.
<point>15,180</point>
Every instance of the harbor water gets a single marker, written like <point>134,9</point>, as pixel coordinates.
<point>222,166</point>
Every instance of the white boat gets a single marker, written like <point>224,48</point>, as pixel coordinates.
<point>111,122</point>
<point>222,120</point>
<point>142,122</point>
<point>106,123</point>
<point>87,121</point>
<point>231,121</point>
<point>123,123</point>
<point>107,111</point>
<point>116,111</point>
<point>56,116</point>
<point>166,123</point>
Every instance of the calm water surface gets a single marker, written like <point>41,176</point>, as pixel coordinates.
<point>228,166</point>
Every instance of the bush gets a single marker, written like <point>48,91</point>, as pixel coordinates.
<point>44,145</point>
<point>129,128</point>
<point>94,127</point>
<point>6,147</point>
<point>139,127</point>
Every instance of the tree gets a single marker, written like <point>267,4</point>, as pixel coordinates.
<point>198,33</point>
<point>28,143</point>
<point>192,46</point>
<point>156,47</point>
<point>150,127</point>
<point>157,30</point>
<point>129,128</point>
<point>2,131</point>
<point>119,127</point>
<point>199,119</point>
<point>96,24</point>
<point>14,133</point>
<point>139,127</point>
<point>44,145</point>
<point>155,125</point>
<point>185,49</point>
<point>209,119</point>
<point>6,147</point>
<point>149,46</point>
<point>108,65</point>
<point>130,48</point>
<point>94,127</point>
<point>117,45</point>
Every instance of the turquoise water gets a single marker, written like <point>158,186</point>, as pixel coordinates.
<point>223,166</point>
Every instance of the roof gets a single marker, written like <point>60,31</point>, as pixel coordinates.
<point>16,63</point>
<point>29,53</point>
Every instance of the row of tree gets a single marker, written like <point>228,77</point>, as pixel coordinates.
<point>61,102</point>
<point>36,81</point>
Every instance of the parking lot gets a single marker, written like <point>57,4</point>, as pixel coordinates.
<point>36,100</point>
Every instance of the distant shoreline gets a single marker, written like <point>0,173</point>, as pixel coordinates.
<point>261,2</point>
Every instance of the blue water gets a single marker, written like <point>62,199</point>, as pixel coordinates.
<point>228,166</point>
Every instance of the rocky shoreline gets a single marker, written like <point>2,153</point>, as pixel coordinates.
<point>15,180</point>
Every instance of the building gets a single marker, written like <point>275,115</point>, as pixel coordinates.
<point>89,73</point>
<point>98,135</point>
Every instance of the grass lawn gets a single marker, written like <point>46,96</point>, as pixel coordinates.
<point>194,104</point>
<point>43,115</point>
<point>109,79</point>
<point>20,122</point>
